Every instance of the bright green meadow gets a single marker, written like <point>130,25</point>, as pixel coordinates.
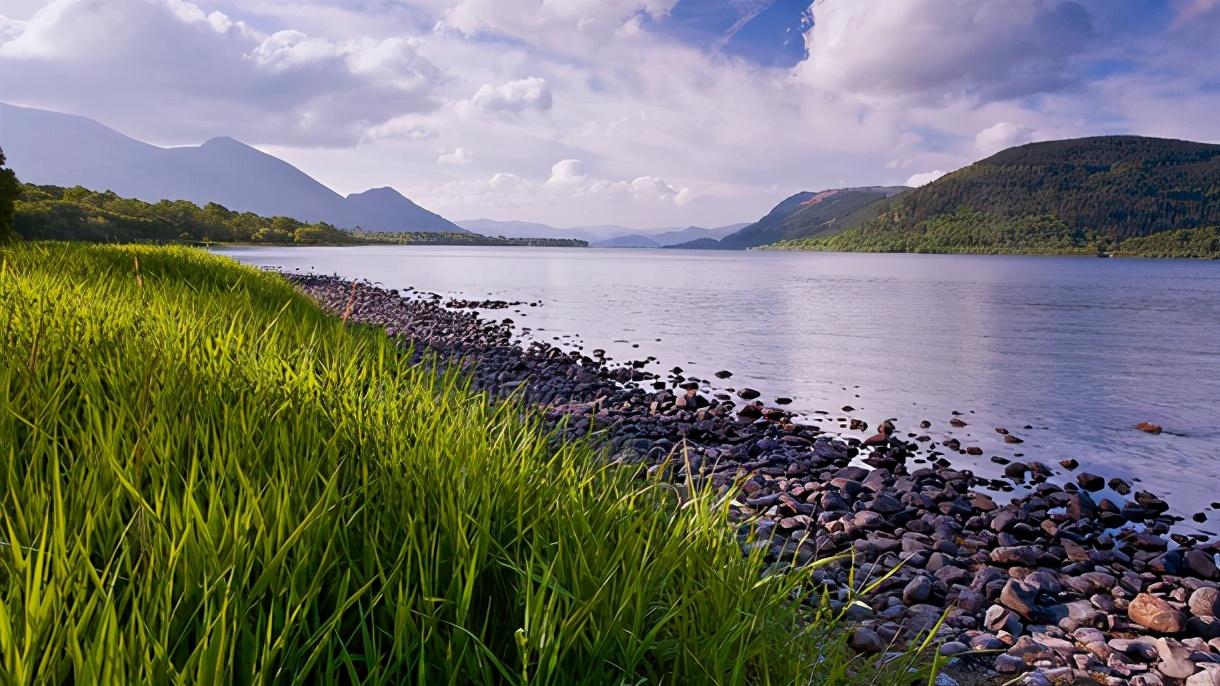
<point>204,479</point>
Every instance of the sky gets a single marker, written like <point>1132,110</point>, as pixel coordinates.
<point>645,113</point>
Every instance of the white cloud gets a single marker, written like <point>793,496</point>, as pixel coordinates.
<point>570,25</point>
<point>10,29</point>
<point>569,181</point>
<point>458,156</point>
<point>567,174</point>
<point>176,71</point>
<point>1194,10</point>
<point>1002,135</point>
<point>514,96</point>
<point>925,178</point>
<point>940,50</point>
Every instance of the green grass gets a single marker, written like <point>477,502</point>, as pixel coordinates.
<point>203,479</point>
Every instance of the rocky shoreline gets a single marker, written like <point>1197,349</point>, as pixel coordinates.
<point>1054,587</point>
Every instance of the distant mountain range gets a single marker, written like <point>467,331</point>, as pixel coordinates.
<point>61,149</point>
<point>1105,194</point>
<point>802,215</point>
<point>1109,194</point>
<point>601,236</point>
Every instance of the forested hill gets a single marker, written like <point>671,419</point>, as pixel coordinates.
<point>805,214</point>
<point>1109,193</point>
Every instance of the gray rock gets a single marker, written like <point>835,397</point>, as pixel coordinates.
<point>1058,645</point>
<point>1090,482</point>
<point>1142,649</point>
<point>1175,659</point>
<point>1024,555</point>
<point>953,648</point>
<point>867,519</point>
<point>1205,602</point>
<point>922,617</point>
<point>1091,582</point>
<point>865,640</point>
<point>1008,664</point>
<point>1205,628</point>
<point>885,504</point>
<point>1075,551</point>
<point>998,618</point>
<point>952,576</point>
<point>1021,599</point>
<point>945,680</point>
<point>1043,582</point>
<point>1209,676</point>
<point>1201,564</point>
<point>987,642</point>
<point>917,590</point>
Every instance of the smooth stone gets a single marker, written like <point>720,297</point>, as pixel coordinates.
<point>865,640</point>
<point>1156,614</point>
<point>1202,564</point>
<point>1090,482</point>
<point>1009,664</point>
<point>953,648</point>
<point>917,590</point>
<point>1024,555</point>
<point>1205,602</point>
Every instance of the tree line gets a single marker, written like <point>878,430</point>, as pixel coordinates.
<point>10,189</point>
<point>44,212</point>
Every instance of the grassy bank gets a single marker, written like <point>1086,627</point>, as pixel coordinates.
<point>206,480</point>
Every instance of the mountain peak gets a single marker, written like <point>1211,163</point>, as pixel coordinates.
<point>385,209</point>
<point>223,141</point>
<point>381,192</point>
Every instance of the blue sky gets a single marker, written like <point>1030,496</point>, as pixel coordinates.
<point>646,113</point>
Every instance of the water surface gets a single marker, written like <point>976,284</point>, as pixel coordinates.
<point>1081,349</point>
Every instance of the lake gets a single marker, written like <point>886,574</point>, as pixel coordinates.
<point>1079,349</point>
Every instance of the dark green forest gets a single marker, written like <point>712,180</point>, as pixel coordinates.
<point>1112,194</point>
<point>10,189</point>
<point>80,214</point>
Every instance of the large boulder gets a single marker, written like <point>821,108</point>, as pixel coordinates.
<point>1156,614</point>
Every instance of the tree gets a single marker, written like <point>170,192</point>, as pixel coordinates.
<point>9,190</point>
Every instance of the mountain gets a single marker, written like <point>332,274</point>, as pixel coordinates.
<point>520,229</point>
<point>693,233</point>
<point>805,214</point>
<point>601,232</point>
<point>384,209</point>
<point>1121,194</point>
<point>699,244</point>
<point>605,235</point>
<point>631,240</point>
<point>66,150</point>
<point>512,229</point>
